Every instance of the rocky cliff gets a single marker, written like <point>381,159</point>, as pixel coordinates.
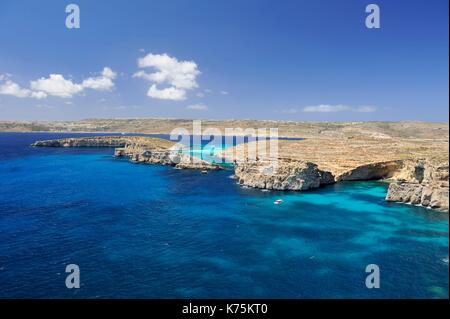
<point>139,149</point>
<point>107,141</point>
<point>418,182</point>
<point>371,171</point>
<point>281,175</point>
<point>414,181</point>
<point>142,154</point>
<point>84,142</point>
<point>421,182</point>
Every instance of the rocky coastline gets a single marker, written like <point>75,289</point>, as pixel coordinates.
<point>172,157</point>
<point>423,183</point>
<point>147,150</point>
<point>416,182</point>
<point>412,181</point>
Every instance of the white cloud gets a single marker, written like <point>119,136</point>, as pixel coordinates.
<point>326,108</point>
<point>200,94</point>
<point>104,82</point>
<point>197,107</point>
<point>38,95</point>
<point>57,85</point>
<point>224,92</point>
<point>170,93</point>
<point>14,89</point>
<point>366,109</point>
<point>180,76</point>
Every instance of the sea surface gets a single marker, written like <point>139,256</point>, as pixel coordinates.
<point>143,231</point>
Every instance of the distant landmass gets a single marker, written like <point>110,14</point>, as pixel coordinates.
<point>412,155</point>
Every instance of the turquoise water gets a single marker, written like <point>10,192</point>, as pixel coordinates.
<point>155,232</point>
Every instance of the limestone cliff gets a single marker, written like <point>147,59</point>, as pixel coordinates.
<point>138,148</point>
<point>421,182</point>
<point>417,182</point>
<point>281,175</point>
<point>172,157</point>
<point>107,141</point>
<point>371,171</point>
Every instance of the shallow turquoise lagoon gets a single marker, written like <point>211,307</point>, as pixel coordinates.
<point>155,232</point>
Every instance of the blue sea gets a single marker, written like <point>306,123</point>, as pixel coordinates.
<point>143,231</point>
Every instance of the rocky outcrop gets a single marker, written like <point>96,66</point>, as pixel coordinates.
<point>139,149</point>
<point>414,181</point>
<point>421,182</point>
<point>281,175</point>
<point>174,158</point>
<point>107,141</point>
<point>371,171</point>
<point>417,182</point>
<point>84,142</point>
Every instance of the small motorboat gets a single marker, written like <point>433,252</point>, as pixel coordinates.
<point>204,172</point>
<point>278,202</point>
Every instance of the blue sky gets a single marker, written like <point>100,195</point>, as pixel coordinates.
<point>286,60</point>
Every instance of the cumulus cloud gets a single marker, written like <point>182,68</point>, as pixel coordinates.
<point>327,108</point>
<point>179,76</point>
<point>14,89</point>
<point>57,85</point>
<point>197,107</point>
<point>104,82</point>
<point>170,93</point>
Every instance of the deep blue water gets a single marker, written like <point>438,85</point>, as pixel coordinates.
<point>155,232</point>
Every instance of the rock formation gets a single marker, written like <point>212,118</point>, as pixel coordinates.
<point>371,171</point>
<point>417,182</point>
<point>421,182</point>
<point>281,175</point>
<point>106,141</point>
<point>139,149</point>
<point>310,164</point>
<point>142,154</point>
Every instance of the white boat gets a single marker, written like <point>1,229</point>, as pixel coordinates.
<point>278,202</point>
